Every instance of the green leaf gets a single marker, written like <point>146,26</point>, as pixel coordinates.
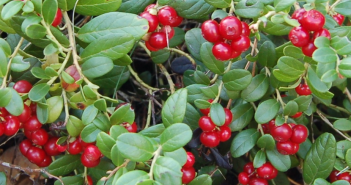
<point>260,159</point>
<point>135,147</point>
<point>174,109</point>
<point>209,60</point>
<point>341,148</point>
<point>320,159</point>
<point>266,111</point>
<point>343,8</point>
<point>117,130</point>
<point>282,5</point>
<point>97,7</point>
<point>89,133</point>
<point>167,171</point>
<point>64,165</point>
<point>279,161</point>
<point>320,181</point>
<point>219,3</point>
<point>201,78</point>
<point>15,106</point>
<point>35,31</point>
<point>117,158</point>
<point>242,116</point>
<point>39,73</point>
<point>345,67</point>
<point>11,9</point>
<point>278,74</point>
<point>160,56</point>
<point>322,41</point>
<point>341,44</point>
<point>97,66</point>
<point>4,45</point>
<point>18,64</point>
<point>105,143</point>
<point>342,124</point>
<point>203,179</point>
<point>324,55</point>
<point>71,180</point>
<point>236,79</point>
<point>134,6</point>
<point>66,4</point>
<point>341,182</point>
<point>243,142</point>
<point>199,8</point>
<point>217,114</point>
<point>101,105</point>
<point>257,88</point>
<point>202,104</point>
<point>102,122</point>
<point>290,66</point>
<point>329,76</point>
<point>3,63</point>
<point>191,116</point>
<point>291,108</point>
<point>293,51</point>
<point>118,75</point>
<point>132,177</point>
<point>55,105</point>
<point>303,102</point>
<point>275,29</point>
<point>249,11</point>
<point>38,92</point>
<point>266,141</point>
<point>175,136</point>
<point>89,114</point>
<point>267,55</point>
<point>74,126</point>
<point>193,41</point>
<point>123,114</point>
<point>111,46</point>
<point>42,111</point>
<point>2,178</point>
<point>51,72</point>
<point>5,97</point>
<point>348,157</point>
<point>49,10</point>
<point>113,23</point>
<point>179,155</point>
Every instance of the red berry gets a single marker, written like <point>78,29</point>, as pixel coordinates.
<point>309,49</point>
<point>50,147</point>
<point>190,160</point>
<point>299,134</point>
<point>222,51</point>
<point>28,134</point>
<point>206,124</point>
<point>210,31</point>
<point>225,133</point>
<point>11,125</point>
<point>299,36</point>
<point>40,137</point>
<point>274,174</point>
<point>332,176</point>
<point>149,47</point>
<point>321,33</point>
<point>266,171</point>
<point>230,28</point>
<point>210,139</point>
<point>241,44</point>
<point>22,86</point>
<point>46,162</point>
<point>177,22</point>
<point>88,163</point>
<point>281,133</point>
<point>339,18</point>
<point>158,40</point>
<point>92,153</point>
<point>90,181</point>
<point>3,112</point>
<point>313,20</point>
<point>249,168</point>
<point>235,54</point>
<point>167,16</point>
<point>130,127</point>
<point>2,129</point>
<point>243,178</point>
<point>73,72</point>
<point>265,128</point>
<point>35,155</point>
<point>33,108</point>
<point>32,124</point>
<point>287,147</point>
<point>298,114</point>
<point>228,117</point>
<point>303,90</point>
<point>84,144</point>
<point>75,147</point>
<point>25,115</point>
<point>169,31</point>
<point>344,176</point>
<point>188,175</point>
<point>61,147</point>
<point>57,19</point>
<point>298,14</point>
<point>152,19</point>
<point>245,29</point>
<point>258,181</point>
<point>207,110</point>
<point>24,146</point>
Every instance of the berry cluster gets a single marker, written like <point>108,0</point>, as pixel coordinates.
<point>288,136</point>
<point>343,176</point>
<point>310,22</point>
<point>303,90</point>
<point>252,176</point>
<point>35,154</point>
<point>212,135</point>
<point>230,37</point>
<point>188,170</point>
<point>168,18</point>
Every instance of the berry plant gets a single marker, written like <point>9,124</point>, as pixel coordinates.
<point>172,92</point>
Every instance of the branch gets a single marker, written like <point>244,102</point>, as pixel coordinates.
<point>156,154</point>
<point>169,79</point>
<point>111,173</point>
<point>141,82</point>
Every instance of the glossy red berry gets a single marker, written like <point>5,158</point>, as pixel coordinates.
<point>24,146</point>
<point>313,20</point>
<point>158,40</point>
<point>3,112</point>
<point>130,127</point>
<point>297,115</point>
<point>299,36</point>
<point>243,178</point>
<point>281,133</point>
<point>75,147</point>
<point>245,29</point>
<point>321,33</point>
<point>225,133</point>
<point>169,31</point>
<point>57,19</point>
<point>222,51</point>
<point>230,28</point>
<point>152,19</point>
<point>207,110</point>
<point>167,16</point>
<point>190,160</point>
<point>2,129</point>
<point>299,134</point>
<point>332,176</point>
<point>206,124</point>
<point>149,47</point>
<point>90,181</point>
<point>33,108</point>
<point>188,175</point>
<point>40,137</point>
<point>88,163</point>
<point>228,117</point>
<point>249,168</point>
<point>266,171</point>
<point>92,153</point>
<point>84,144</point>
<point>22,86</point>
<point>210,31</point>
<point>303,90</point>
<point>298,14</point>
<point>210,139</point>
<point>46,162</point>
<point>258,181</point>
<point>339,18</point>
<point>265,128</point>
<point>274,174</point>
<point>25,115</point>
<point>32,124</point>
<point>235,54</point>
<point>309,49</point>
<point>11,125</point>
<point>241,44</point>
<point>28,134</point>
<point>287,147</point>
<point>344,176</point>
<point>50,147</point>
<point>61,147</point>
<point>35,155</point>
<point>177,22</point>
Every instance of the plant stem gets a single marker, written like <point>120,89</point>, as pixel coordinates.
<point>339,108</point>
<point>213,80</point>
<point>145,48</point>
<point>141,82</point>
<point>53,38</point>
<point>219,92</point>
<point>10,61</point>
<point>168,76</point>
<point>65,103</point>
<point>111,173</point>
<point>256,25</point>
<point>148,119</point>
<point>348,94</point>
<point>156,155</point>
<point>330,124</point>
<point>61,68</point>
<point>334,4</point>
<point>280,98</point>
<point>182,53</point>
